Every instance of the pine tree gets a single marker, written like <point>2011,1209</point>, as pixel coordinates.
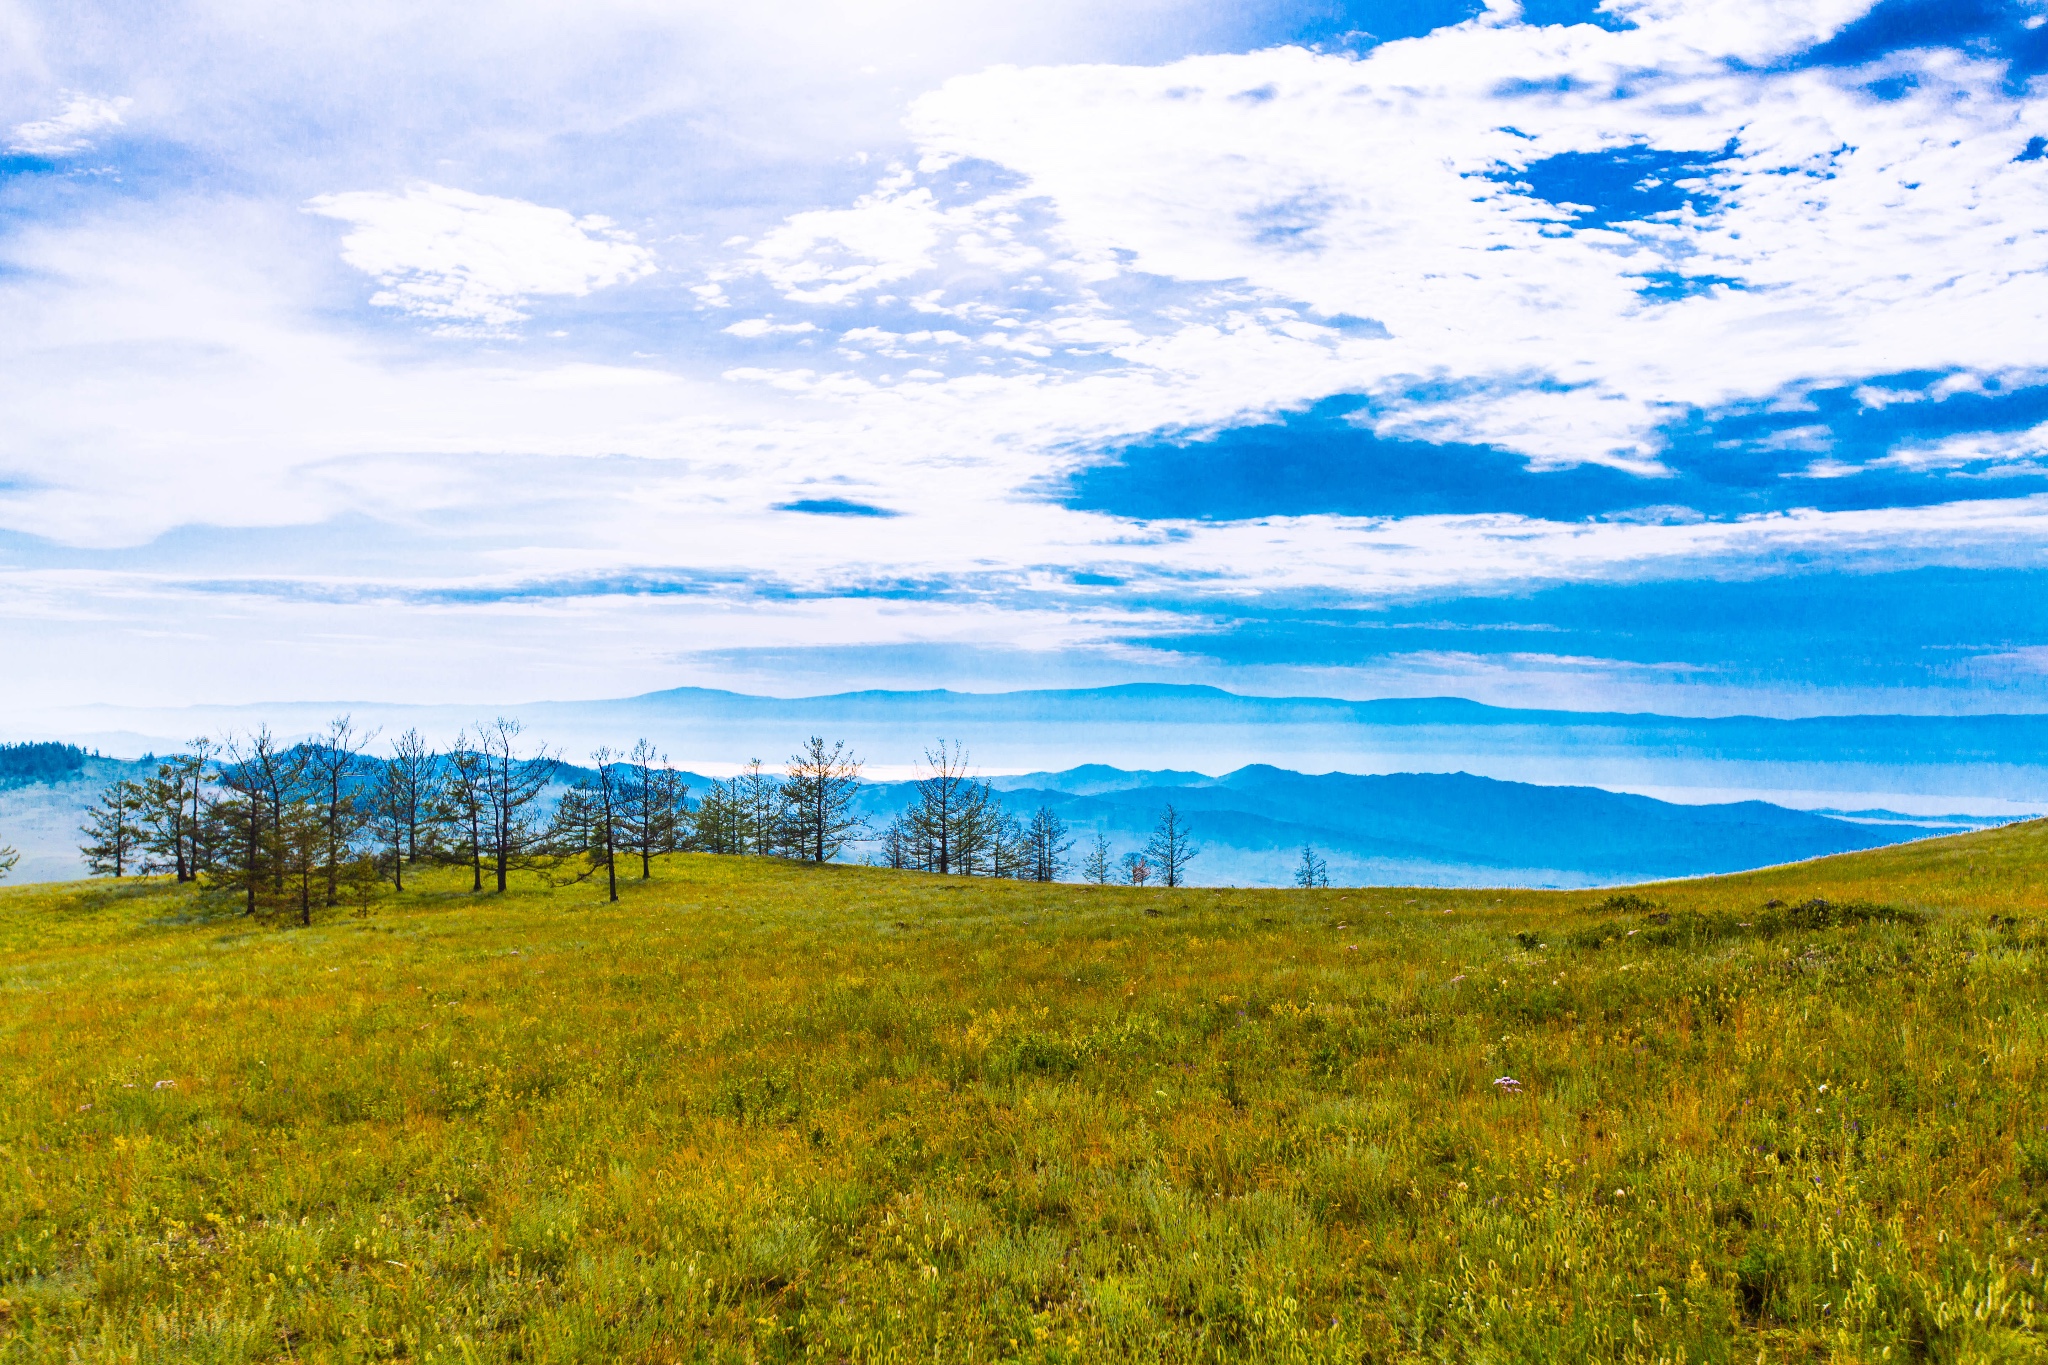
<point>112,830</point>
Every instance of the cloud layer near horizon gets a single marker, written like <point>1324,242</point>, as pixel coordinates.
<point>1777,278</point>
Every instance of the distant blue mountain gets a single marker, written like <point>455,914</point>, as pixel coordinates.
<point>1443,829</point>
<point>1998,763</point>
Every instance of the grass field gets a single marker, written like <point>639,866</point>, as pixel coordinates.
<point>763,1112</point>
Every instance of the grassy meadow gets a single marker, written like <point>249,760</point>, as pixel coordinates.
<point>762,1112</point>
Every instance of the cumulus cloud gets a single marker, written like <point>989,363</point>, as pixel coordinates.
<point>474,260</point>
<point>1792,227</point>
<point>71,130</point>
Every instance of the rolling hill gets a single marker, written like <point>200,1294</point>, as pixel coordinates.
<point>759,1111</point>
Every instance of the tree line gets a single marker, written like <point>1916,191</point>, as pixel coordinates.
<point>291,827</point>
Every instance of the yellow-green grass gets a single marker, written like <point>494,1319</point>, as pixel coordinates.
<point>759,1111</point>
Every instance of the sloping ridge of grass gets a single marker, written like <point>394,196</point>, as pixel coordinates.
<point>759,1111</point>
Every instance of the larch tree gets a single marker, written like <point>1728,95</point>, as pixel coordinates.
<point>818,791</point>
<point>411,782</point>
<point>763,809</point>
<point>1046,838</point>
<point>1170,849</point>
<point>1096,866</point>
<point>512,783</point>
<point>173,812</point>
<point>459,808</point>
<point>607,812</point>
<point>654,806</point>
<point>334,763</point>
<point>113,832</point>
<point>1312,872</point>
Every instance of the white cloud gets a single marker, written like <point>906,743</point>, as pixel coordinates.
<point>1863,236</point>
<point>71,130</point>
<point>761,327</point>
<point>476,259</point>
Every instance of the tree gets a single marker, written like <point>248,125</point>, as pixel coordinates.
<point>173,814</point>
<point>334,763</point>
<point>899,847</point>
<point>1009,847</point>
<point>1046,838</point>
<point>1136,870</point>
<point>459,807</point>
<point>1312,872</point>
<point>818,792</point>
<point>605,814</point>
<point>113,836</point>
<point>721,819</point>
<point>655,806</point>
<point>1096,866</point>
<point>939,813</point>
<point>246,768</point>
<point>763,809</point>
<point>1169,848</point>
<point>510,784</point>
<point>411,783</point>
<point>9,858</point>
<point>268,816</point>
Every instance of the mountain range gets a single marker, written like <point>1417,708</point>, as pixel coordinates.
<point>1435,829</point>
<point>1986,764</point>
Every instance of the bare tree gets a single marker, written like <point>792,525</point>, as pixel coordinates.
<point>511,783</point>
<point>818,791</point>
<point>1096,867</point>
<point>1046,837</point>
<point>113,836</point>
<point>1169,848</point>
<point>335,764</point>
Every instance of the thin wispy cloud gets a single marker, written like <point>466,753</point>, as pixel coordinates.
<point>73,129</point>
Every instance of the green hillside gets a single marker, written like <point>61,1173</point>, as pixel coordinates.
<point>763,1112</point>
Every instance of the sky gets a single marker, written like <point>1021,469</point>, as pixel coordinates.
<point>1676,355</point>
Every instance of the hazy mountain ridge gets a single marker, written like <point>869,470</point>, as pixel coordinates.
<point>1994,764</point>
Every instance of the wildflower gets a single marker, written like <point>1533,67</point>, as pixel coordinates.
<point>1507,1085</point>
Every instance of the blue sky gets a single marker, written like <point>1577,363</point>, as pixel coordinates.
<point>1642,354</point>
